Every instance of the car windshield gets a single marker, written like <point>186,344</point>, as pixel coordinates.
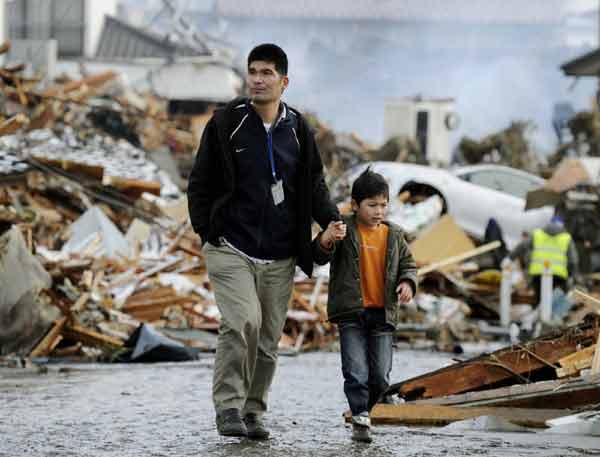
<point>515,184</point>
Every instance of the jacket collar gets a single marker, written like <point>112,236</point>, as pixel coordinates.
<point>286,115</point>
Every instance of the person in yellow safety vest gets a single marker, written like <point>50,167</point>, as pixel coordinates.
<point>553,245</point>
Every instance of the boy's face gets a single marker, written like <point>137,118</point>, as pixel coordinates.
<point>265,84</point>
<point>371,211</point>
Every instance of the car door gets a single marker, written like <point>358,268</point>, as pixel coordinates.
<point>481,199</point>
<point>501,194</point>
<point>513,224</point>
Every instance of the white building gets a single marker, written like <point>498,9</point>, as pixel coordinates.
<point>75,24</point>
<point>427,121</point>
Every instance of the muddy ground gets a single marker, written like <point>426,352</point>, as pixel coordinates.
<point>165,410</point>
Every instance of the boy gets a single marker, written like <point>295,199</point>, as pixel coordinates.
<point>372,270</point>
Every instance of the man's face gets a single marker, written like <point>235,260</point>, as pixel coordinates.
<point>265,84</point>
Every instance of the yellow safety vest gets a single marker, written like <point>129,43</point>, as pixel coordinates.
<point>552,249</point>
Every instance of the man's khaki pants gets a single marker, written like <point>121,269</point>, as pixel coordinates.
<point>253,301</point>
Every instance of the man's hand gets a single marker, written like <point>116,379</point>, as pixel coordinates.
<point>404,291</point>
<point>335,231</point>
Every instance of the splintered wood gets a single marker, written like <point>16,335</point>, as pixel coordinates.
<point>104,299</point>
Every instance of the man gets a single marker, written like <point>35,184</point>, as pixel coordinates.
<point>549,244</point>
<point>256,185</point>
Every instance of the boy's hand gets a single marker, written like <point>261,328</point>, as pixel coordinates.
<point>404,291</point>
<point>335,231</point>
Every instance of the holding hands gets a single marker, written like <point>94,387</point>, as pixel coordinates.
<point>335,231</point>
<point>404,291</point>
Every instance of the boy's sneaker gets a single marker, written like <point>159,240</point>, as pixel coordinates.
<point>362,419</point>
<point>256,428</point>
<point>361,427</point>
<point>361,433</point>
<point>230,423</point>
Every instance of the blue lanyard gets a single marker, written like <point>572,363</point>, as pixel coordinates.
<point>271,159</point>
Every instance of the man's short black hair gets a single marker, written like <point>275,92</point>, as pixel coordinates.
<point>269,52</point>
<point>368,185</point>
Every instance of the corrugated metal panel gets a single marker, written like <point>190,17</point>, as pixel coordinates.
<point>39,19</point>
<point>68,24</point>
<point>68,12</point>
<point>121,40</point>
<point>15,18</point>
<point>62,20</point>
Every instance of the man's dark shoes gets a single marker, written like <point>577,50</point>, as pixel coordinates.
<point>230,423</point>
<point>256,428</point>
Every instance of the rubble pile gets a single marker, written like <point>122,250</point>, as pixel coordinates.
<point>339,152</point>
<point>84,197</point>
<point>89,116</point>
<point>88,181</point>
<point>507,147</point>
<point>584,129</point>
<point>115,264</point>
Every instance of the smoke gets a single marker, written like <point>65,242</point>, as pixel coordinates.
<point>344,70</point>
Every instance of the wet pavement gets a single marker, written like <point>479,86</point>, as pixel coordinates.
<point>165,410</point>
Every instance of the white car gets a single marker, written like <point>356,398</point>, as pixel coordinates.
<point>472,195</point>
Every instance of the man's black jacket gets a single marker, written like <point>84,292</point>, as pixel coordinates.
<point>212,184</point>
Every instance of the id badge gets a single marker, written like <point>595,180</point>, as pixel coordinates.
<point>277,192</point>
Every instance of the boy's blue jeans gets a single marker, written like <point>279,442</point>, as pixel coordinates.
<point>366,346</point>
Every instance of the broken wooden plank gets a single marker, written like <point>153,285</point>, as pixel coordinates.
<point>160,302</point>
<point>572,363</point>
<point>408,414</point>
<point>13,124</point>
<point>133,187</point>
<point>144,295</point>
<point>45,346</point>
<point>153,310</point>
<point>23,100</point>
<point>444,239</point>
<point>55,343</point>
<point>596,360</point>
<point>459,258</point>
<point>513,364</point>
<point>81,301</point>
<point>175,242</point>
<point>90,337</point>
<point>94,171</point>
<point>96,80</point>
<point>301,302</point>
<point>563,393</point>
<point>68,351</point>
<point>588,299</point>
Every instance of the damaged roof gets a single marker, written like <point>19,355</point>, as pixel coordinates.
<point>125,41</point>
<point>585,65</point>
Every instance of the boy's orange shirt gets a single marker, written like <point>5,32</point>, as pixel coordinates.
<point>373,248</point>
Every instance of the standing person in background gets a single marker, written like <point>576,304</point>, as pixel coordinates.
<point>372,270</point>
<point>253,192</point>
<point>553,244</point>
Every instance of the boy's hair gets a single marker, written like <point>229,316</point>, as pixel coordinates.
<point>269,52</point>
<point>368,185</point>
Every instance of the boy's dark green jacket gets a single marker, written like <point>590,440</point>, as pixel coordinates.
<point>345,297</point>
